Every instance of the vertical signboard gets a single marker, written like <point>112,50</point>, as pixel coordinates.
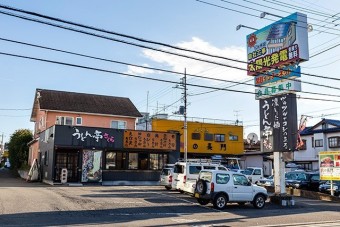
<point>278,123</point>
<point>329,165</point>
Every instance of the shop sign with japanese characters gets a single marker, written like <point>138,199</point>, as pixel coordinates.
<point>149,140</point>
<point>281,43</point>
<point>275,75</point>
<point>88,137</point>
<point>278,123</point>
<point>329,165</point>
<point>278,88</point>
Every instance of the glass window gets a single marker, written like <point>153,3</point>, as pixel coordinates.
<point>196,136</point>
<point>110,160</point>
<point>208,137</point>
<point>118,124</point>
<point>154,161</point>
<point>219,137</point>
<point>133,160</point>
<point>79,121</point>
<point>163,160</point>
<point>304,146</point>
<point>194,169</point>
<point>178,169</point>
<point>233,138</point>
<point>318,143</point>
<point>205,176</point>
<point>64,120</point>
<point>240,180</point>
<point>257,172</point>
<point>222,178</point>
<point>334,141</point>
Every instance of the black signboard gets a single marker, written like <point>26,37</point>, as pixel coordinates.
<point>278,123</point>
<point>88,137</point>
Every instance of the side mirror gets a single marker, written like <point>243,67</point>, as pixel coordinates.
<point>249,183</point>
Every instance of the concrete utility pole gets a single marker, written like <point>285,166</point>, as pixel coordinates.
<point>185,117</point>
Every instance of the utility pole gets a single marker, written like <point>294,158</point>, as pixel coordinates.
<point>147,109</point>
<point>183,84</point>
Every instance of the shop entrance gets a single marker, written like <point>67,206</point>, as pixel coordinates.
<point>68,159</point>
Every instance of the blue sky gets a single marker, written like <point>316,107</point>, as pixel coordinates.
<point>189,24</point>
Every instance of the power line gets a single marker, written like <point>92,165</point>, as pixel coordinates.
<point>157,69</point>
<point>16,109</point>
<point>159,50</point>
<point>142,77</point>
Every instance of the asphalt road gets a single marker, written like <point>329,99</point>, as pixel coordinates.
<point>38,204</point>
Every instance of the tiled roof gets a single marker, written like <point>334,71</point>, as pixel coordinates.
<point>312,130</point>
<point>86,103</point>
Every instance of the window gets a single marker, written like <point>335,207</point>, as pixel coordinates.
<point>121,160</point>
<point>79,121</point>
<point>222,178</point>
<point>178,169</point>
<point>208,137</point>
<point>133,161</point>
<point>304,146</point>
<point>64,120</point>
<point>312,141</point>
<point>240,180</point>
<point>219,137</point>
<point>194,169</point>
<point>257,172</point>
<point>196,136</point>
<point>318,143</point>
<point>118,124</point>
<point>111,160</point>
<point>154,161</point>
<point>334,142</point>
<point>233,138</point>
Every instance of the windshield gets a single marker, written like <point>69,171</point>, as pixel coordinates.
<point>205,176</point>
<point>165,172</point>
<point>248,171</point>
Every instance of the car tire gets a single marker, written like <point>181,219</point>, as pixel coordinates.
<point>203,201</point>
<point>167,187</point>
<point>220,202</point>
<point>259,201</point>
<point>201,187</point>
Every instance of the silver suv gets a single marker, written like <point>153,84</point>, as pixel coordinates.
<point>222,187</point>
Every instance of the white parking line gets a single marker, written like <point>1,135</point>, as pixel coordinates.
<point>314,224</point>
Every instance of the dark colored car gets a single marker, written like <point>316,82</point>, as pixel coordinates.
<point>326,187</point>
<point>303,180</point>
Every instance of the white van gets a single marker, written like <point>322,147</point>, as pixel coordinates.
<point>185,174</point>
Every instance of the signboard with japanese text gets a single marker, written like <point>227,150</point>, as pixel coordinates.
<point>88,137</point>
<point>278,123</point>
<point>149,140</point>
<point>278,88</point>
<point>281,43</point>
<point>329,164</point>
<point>272,76</point>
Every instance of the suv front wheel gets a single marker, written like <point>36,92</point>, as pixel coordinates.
<point>259,201</point>
<point>220,201</point>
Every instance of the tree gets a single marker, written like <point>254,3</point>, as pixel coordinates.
<point>17,147</point>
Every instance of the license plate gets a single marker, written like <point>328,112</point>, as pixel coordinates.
<point>197,195</point>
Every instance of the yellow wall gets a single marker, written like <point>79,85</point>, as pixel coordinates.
<point>232,147</point>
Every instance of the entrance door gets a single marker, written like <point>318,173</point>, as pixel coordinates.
<point>70,161</point>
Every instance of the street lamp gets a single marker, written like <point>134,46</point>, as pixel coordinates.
<point>238,27</point>
<point>263,14</point>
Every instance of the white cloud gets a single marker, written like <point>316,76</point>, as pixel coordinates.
<point>178,63</point>
<point>139,71</point>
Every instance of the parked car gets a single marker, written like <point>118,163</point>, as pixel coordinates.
<point>166,176</point>
<point>7,164</point>
<point>326,187</point>
<point>267,181</point>
<point>303,180</point>
<point>254,174</point>
<point>186,173</point>
<point>222,187</point>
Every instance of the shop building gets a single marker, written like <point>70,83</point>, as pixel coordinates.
<point>94,138</point>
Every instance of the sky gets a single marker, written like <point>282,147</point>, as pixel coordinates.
<point>207,26</point>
